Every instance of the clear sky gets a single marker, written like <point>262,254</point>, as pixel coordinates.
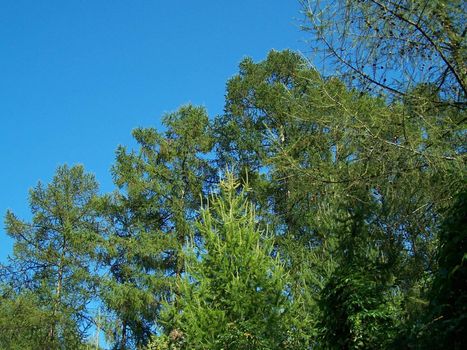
<point>77,76</point>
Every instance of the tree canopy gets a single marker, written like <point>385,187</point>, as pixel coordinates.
<point>324,209</point>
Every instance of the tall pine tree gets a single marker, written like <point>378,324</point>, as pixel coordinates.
<point>54,253</point>
<point>149,220</point>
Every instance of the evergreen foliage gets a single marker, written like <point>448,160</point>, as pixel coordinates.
<point>23,323</point>
<point>340,225</point>
<point>446,320</point>
<point>51,263</point>
<point>234,294</point>
<point>149,219</point>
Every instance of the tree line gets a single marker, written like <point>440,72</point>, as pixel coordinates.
<point>319,211</point>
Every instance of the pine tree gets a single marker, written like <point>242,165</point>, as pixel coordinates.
<point>149,220</point>
<point>392,46</point>
<point>54,253</point>
<point>234,294</point>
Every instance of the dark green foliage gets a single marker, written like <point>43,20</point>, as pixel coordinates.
<point>445,324</point>
<point>149,220</point>
<point>357,311</point>
<point>449,302</point>
<point>128,289</point>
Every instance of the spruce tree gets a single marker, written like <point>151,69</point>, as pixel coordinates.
<point>234,294</point>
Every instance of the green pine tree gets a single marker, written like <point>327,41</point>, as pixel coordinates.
<point>234,294</point>
<point>52,264</point>
<point>149,220</point>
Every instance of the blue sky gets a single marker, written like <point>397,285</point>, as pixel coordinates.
<point>77,76</point>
